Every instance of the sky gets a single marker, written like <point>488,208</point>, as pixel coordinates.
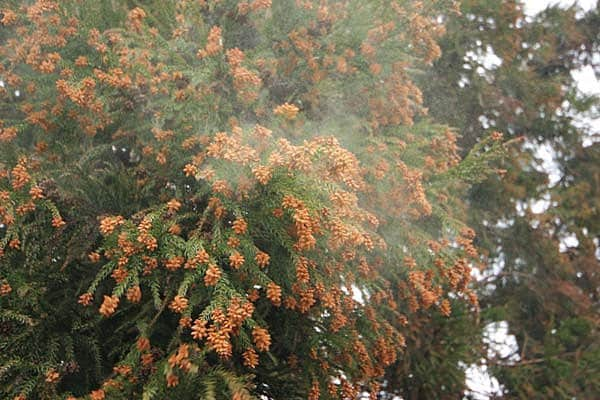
<point>532,7</point>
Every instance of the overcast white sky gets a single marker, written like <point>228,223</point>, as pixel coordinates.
<point>532,7</point>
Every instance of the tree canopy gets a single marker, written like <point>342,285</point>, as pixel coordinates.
<point>289,200</point>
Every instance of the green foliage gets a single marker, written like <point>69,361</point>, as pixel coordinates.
<point>547,295</point>
<point>272,200</point>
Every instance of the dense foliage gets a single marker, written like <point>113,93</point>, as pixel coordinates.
<point>182,169</point>
<point>252,199</point>
<point>539,281</point>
